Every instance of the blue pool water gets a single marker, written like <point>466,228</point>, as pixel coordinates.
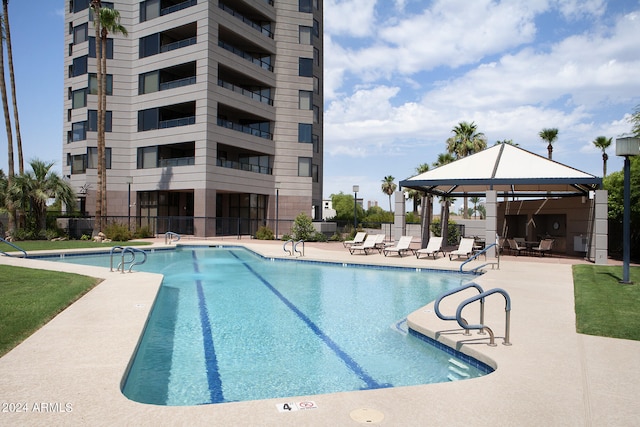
<point>228,325</point>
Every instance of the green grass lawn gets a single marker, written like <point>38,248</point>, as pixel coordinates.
<point>29,298</point>
<point>40,245</point>
<point>603,306</point>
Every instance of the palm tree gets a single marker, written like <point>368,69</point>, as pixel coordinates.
<point>466,141</point>
<point>416,195</point>
<point>96,5</point>
<point>602,142</point>
<point>443,159</point>
<point>30,191</point>
<point>475,200</point>
<point>549,135</point>
<point>12,79</point>
<point>7,122</point>
<point>388,187</point>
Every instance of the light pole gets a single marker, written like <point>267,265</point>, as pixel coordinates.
<point>356,188</point>
<point>627,147</point>
<point>129,182</point>
<point>277,185</point>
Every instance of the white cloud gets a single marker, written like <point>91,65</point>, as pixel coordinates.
<point>349,17</point>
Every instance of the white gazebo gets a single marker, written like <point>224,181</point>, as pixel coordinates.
<point>518,183</point>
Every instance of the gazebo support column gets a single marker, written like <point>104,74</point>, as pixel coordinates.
<point>599,237</point>
<point>491,221</point>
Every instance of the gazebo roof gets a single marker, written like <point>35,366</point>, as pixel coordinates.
<point>507,169</point>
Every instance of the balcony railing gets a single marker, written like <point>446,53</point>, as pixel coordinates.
<point>245,129</point>
<point>244,166</point>
<point>178,161</point>
<point>249,57</point>
<point>246,20</point>
<point>183,121</point>
<point>179,44</point>
<point>246,92</point>
<point>178,83</point>
<point>177,7</point>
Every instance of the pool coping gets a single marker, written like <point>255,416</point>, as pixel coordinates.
<point>549,376</point>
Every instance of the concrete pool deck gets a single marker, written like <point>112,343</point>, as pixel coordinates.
<point>69,372</point>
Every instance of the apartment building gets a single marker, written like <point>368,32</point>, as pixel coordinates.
<point>213,108</point>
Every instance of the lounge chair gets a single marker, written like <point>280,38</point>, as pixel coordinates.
<point>401,247</point>
<point>380,244</point>
<point>357,240</point>
<point>369,244</point>
<point>433,247</point>
<point>515,246</point>
<point>544,246</point>
<point>465,248</point>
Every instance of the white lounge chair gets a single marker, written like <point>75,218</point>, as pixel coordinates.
<point>401,247</point>
<point>368,245</point>
<point>433,247</point>
<point>380,245</point>
<point>357,240</point>
<point>544,246</point>
<point>465,248</point>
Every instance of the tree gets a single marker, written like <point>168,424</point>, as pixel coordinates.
<point>343,205</point>
<point>443,159</point>
<point>466,140</point>
<point>550,135</point>
<point>12,80</point>
<point>507,141</point>
<point>635,121</point>
<point>7,122</point>
<point>388,187</point>
<point>416,195</point>
<point>476,201</point>
<point>32,190</point>
<point>105,21</point>
<point>602,142</point>
<point>302,228</point>
<point>614,184</point>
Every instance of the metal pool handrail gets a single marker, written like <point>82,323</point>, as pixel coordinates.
<point>169,235</point>
<point>481,326</point>
<point>436,305</point>
<point>476,255</point>
<point>295,245</point>
<point>14,246</point>
<point>133,261</point>
<point>284,246</point>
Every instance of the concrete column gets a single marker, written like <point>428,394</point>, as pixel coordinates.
<point>399,223</point>
<point>491,221</point>
<point>599,238</point>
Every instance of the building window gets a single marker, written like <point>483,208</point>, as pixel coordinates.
<point>78,163</point>
<point>92,48</point>
<point>314,173</point>
<point>305,99</point>
<point>316,114</point>
<point>80,5</point>
<point>79,131</point>
<point>79,66</point>
<point>304,36</point>
<point>149,9</point>
<point>316,85</point>
<point>305,67</point>
<point>92,157</point>
<point>304,166</point>
<point>93,84</point>
<point>148,119</point>
<point>304,132</point>
<point>149,45</point>
<point>149,82</point>
<point>316,57</point>
<point>316,4</point>
<point>92,119</point>
<point>316,143</point>
<point>79,98</point>
<point>305,6</point>
<point>80,33</point>
<point>316,28</point>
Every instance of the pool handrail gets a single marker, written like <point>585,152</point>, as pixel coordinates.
<point>481,326</point>
<point>14,246</point>
<point>284,247</point>
<point>123,263</point>
<point>133,261</point>
<point>477,254</point>
<point>436,304</point>
<point>169,235</point>
<point>295,245</point>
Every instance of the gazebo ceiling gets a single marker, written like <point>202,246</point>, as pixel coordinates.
<point>509,170</point>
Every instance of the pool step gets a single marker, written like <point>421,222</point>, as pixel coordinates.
<point>457,370</point>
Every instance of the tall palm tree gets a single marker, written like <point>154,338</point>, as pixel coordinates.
<point>443,159</point>
<point>602,142</point>
<point>416,195</point>
<point>12,79</point>
<point>475,200</point>
<point>7,122</point>
<point>388,187</point>
<point>466,140</point>
<point>549,135</point>
<point>30,191</point>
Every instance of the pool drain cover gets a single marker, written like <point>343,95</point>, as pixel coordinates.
<point>367,416</point>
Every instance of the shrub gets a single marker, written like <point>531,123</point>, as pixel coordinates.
<point>143,232</point>
<point>337,237</point>
<point>319,237</point>
<point>117,232</point>
<point>303,227</point>
<point>264,233</point>
<point>454,235</point>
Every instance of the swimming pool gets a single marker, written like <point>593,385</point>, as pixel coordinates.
<point>228,325</point>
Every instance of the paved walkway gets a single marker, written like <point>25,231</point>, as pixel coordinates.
<point>69,372</point>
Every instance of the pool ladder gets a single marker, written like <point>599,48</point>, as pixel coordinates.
<point>123,263</point>
<point>170,237</point>
<point>481,326</point>
<point>294,247</point>
<point>14,246</point>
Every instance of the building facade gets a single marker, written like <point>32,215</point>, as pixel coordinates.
<point>213,108</point>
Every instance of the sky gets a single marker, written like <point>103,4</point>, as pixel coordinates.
<point>400,74</point>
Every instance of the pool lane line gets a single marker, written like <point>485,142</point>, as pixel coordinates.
<point>348,360</point>
<point>211,361</point>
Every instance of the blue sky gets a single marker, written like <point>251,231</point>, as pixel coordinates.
<point>400,74</point>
